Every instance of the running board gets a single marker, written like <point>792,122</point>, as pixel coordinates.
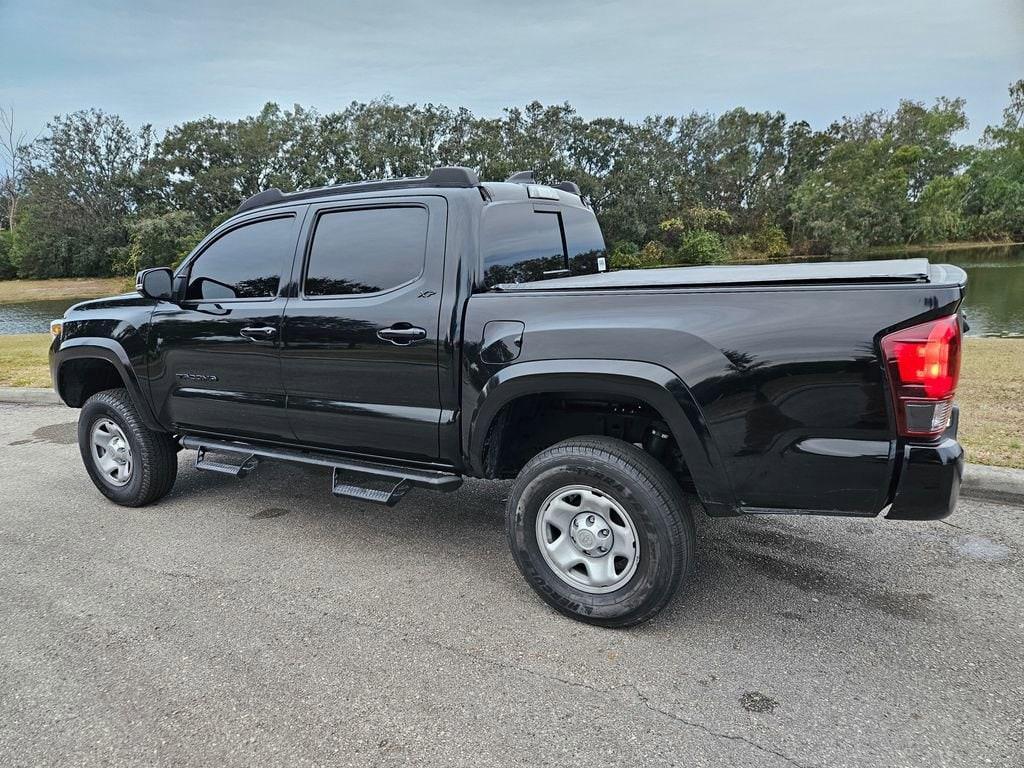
<point>387,496</point>
<point>235,470</point>
<point>401,478</point>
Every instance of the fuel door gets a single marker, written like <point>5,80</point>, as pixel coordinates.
<point>502,341</point>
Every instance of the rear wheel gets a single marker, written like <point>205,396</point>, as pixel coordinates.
<point>600,530</point>
<point>129,463</point>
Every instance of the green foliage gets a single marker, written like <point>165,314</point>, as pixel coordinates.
<point>770,240</point>
<point>694,236</point>
<point>736,164</point>
<point>94,196</point>
<point>653,253</point>
<point>995,198</point>
<point>857,198</point>
<point>58,238</point>
<point>696,217</point>
<point>626,255</point>
<point>672,231</point>
<point>939,214</point>
<point>622,253</point>
<point>159,241</point>
<point>209,166</point>
<point>878,167</point>
<point>699,246</point>
<point>8,268</point>
<point>78,194</point>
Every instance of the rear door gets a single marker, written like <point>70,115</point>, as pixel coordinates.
<point>214,356</point>
<point>360,341</point>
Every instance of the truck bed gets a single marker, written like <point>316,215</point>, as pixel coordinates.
<point>785,381</point>
<point>901,271</point>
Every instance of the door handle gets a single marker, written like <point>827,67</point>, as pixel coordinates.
<point>402,334</point>
<point>257,334</point>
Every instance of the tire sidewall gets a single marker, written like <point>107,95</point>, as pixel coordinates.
<point>654,572</point>
<point>93,411</point>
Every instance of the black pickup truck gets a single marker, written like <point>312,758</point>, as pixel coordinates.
<point>412,332</point>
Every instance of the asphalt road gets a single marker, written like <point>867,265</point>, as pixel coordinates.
<point>261,621</point>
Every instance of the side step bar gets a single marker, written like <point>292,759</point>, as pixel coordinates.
<point>400,478</point>
<point>235,470</point>
<point>389,496</point>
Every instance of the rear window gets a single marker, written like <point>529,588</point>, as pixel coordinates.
<point>523,244</point>
<point>584,241</point>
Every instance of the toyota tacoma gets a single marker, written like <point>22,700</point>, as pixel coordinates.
<point>413,332</point>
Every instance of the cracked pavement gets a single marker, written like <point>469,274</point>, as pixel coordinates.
<point>262,621</point>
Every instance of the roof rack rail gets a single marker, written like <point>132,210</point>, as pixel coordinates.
<point>452,176</point>
<point>449,176</point>
<point>522,177</point>
<point>529,177</point>
<point>260,199</point>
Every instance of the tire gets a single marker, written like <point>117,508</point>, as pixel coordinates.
<point>612,476</point>
<point>145,463</point>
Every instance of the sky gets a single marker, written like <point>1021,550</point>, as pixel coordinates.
<point>165,62</point>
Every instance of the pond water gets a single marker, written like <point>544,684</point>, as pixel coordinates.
<point>995,295</point>
<point>32,316</point>
<point>994,303</point>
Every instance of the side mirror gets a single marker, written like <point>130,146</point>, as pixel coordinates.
<point>155,283</point>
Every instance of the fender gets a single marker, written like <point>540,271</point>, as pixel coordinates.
<point>654,384</point>
<point>112,352</point>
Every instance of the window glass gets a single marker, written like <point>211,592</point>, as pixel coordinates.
<point>245,263</point>
<point>583,239</point>
<point>366,251</point>
<point>521,245</point>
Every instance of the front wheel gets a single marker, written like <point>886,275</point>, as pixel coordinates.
<point>600,530</point>
<point>128,462</point>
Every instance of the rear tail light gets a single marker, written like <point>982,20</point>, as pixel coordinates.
<point>924,364</point>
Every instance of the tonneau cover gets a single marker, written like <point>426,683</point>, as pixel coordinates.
<point>887,271</point>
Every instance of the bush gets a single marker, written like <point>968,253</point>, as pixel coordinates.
<point>624,247</point>
<point>771,241</point>
<point>674,231</point>
<point>710,219</point>
<point>654,254</point>
<point>627,255</point>
<point>700,246</point>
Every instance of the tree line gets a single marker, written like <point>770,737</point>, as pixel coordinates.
<point>93,196</point>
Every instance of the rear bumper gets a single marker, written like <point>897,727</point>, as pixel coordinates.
<point>930,476</point>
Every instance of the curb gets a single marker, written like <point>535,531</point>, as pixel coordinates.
<point>29,396</point>
<point>1000,484</point>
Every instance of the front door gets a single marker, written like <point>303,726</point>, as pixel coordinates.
<point>360,342</point>
<point>215,356</point>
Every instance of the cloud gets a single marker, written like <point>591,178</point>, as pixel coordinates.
<point>163,63</point>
